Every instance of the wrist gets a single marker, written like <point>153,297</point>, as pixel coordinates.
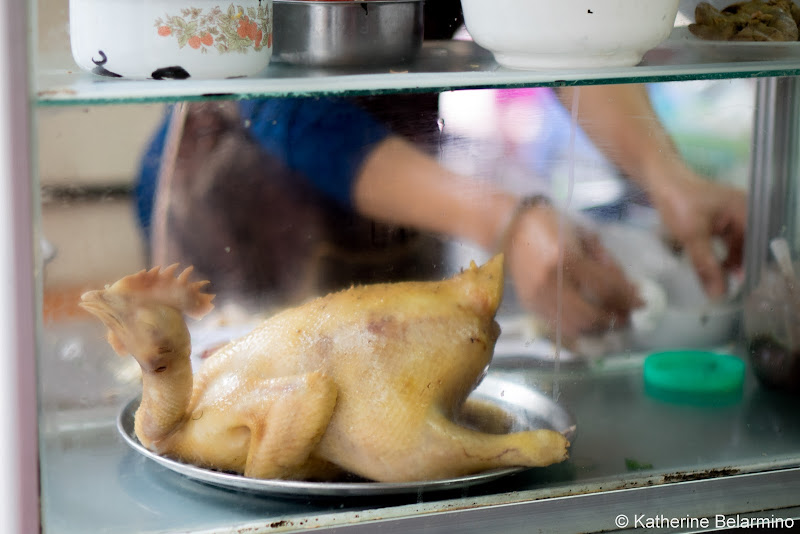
<point>512,220</point>
<point>666,179</point>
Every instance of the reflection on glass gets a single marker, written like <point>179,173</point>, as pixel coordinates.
<point>278,201</point>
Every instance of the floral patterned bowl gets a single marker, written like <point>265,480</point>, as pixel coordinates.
<point>171,39</point>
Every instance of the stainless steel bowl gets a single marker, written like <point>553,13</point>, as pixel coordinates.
<point>347,33</point>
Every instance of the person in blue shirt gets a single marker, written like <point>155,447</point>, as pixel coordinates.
<point>271,196</point>
<point>276,199</point>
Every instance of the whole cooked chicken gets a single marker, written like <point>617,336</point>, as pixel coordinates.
<point>370,380</point>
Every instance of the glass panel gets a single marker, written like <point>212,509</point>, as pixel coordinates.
<point>307,241</point>
<point>441,65</point>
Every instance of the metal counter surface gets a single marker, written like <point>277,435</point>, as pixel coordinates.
<point>630,449</point>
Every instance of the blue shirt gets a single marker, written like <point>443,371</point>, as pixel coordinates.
<point>324,139</point>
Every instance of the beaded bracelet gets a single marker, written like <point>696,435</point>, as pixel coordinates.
<point>523,205</point>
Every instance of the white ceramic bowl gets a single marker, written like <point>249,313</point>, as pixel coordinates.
<point>171,39</point>
<point>677,313</point>
<point>539,34</point>
<point>687,319</point>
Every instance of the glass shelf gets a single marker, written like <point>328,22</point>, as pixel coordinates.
<point>96,483</point>
<point>441,66</point>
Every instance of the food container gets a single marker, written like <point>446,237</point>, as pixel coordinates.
<point>538,34</point>
<point>772,331</point>
<point>677,313</point>
<point>687,7</point>
<point>344,33</point>
<point>171,39</point>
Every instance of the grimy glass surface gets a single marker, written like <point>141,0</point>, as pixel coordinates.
<point>494,125</point>
<point>627,437</point>
<point>440,66</point>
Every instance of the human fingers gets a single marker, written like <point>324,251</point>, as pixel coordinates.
<point>706,265</point>
<point>603,281</point>
<point>732,232</point>
<point>546,270</point>
<point>734,253</point>
<point>563,306</point>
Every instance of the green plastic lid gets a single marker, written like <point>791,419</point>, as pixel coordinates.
<point>694,376</point>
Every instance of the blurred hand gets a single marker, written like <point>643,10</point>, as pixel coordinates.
<point>695,211</point>
<point>596,294</point>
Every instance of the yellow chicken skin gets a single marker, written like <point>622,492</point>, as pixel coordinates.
<point>368,380</point>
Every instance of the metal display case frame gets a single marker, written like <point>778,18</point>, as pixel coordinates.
<point>767,490</point>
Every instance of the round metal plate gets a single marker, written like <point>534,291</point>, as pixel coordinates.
<point>528,409</point>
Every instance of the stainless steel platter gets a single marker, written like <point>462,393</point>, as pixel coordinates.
<point>528,409</point>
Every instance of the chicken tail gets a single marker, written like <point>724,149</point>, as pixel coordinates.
<point>482,286</point>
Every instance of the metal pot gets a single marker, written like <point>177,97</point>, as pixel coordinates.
<point>344,33</point>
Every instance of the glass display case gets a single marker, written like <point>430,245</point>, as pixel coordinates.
<point>71,148</point>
